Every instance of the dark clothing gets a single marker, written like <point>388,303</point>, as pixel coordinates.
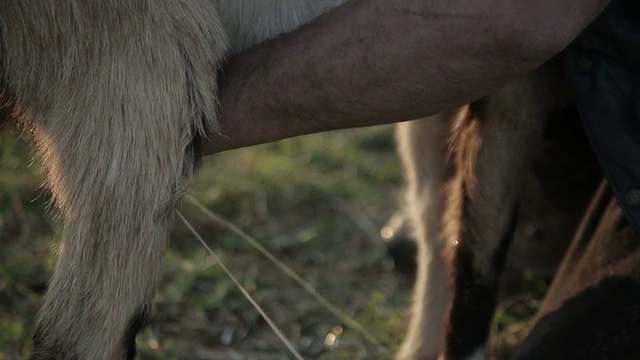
<point>592,309</point>
<point>603,67</point>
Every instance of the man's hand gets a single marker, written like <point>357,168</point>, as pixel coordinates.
<point>380,61</point>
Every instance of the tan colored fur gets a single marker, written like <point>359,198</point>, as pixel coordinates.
<point>422,145</point>
<point>493,147</point>
<point>116,94</point>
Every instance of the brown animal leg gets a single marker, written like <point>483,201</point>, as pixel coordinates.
<point>493,146</point>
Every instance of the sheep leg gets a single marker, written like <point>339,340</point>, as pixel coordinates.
<point>422,146</point>
<point>117,106</point>
<point>493,145</point>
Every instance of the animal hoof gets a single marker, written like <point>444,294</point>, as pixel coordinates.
<point>401,247</point>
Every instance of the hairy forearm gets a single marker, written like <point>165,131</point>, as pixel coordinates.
<point>379,61</point>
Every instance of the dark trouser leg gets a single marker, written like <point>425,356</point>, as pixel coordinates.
<point>592,310</point>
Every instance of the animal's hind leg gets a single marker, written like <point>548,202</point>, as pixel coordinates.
<point>116,192</point>
<point>117,114</point>
<point>423,148</point>
<point>116,217</point>
<point>494,144</point>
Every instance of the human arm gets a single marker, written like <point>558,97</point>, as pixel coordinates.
<point>380,61</point>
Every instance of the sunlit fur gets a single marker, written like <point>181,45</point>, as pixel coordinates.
<point>117,95</point>
<point>423,149</point>
<point>482,152</point>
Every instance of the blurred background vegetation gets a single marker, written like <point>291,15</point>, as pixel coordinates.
<point>316,202</point>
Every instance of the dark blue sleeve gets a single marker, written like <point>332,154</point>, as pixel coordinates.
<point>603,67</point>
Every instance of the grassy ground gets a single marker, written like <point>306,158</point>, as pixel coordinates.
<point>316,203</point>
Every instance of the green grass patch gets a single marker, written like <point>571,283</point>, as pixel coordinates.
<point>316,202</point>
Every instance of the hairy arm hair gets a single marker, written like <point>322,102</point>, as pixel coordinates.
<point>371,62</point>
